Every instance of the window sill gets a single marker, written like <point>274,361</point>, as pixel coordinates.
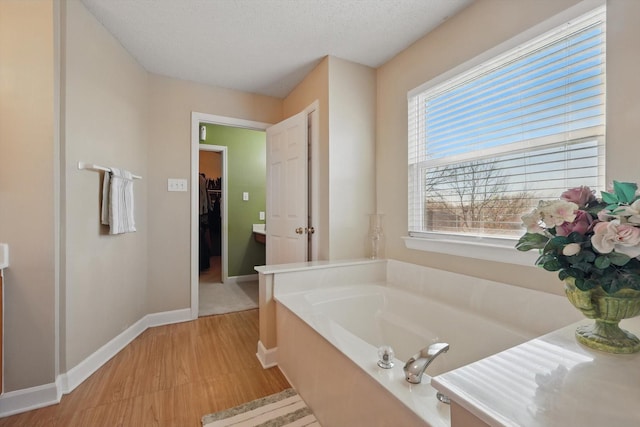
<point>485,248</point>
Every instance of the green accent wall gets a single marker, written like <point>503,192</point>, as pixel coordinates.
<point>247,171</point>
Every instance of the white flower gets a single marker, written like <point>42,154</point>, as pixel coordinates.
<point>532,222</point>
<point>557,212</point>
<point>631,213</point>
<point>571,249</point>
<point>604,215</point>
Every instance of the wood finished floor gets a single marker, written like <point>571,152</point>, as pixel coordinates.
<point>168,376</point>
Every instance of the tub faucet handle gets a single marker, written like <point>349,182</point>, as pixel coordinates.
<point>416,365</point>
<point>385,354</point>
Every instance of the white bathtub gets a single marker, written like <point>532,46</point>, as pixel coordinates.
<point>328,340</point>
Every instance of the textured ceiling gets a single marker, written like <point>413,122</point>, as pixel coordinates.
<point>265,46</point>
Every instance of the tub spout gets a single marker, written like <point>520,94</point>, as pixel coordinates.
<point>416,365</point>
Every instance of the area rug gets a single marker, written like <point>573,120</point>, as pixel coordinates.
<point>221,298</point>
<point>278,410</point>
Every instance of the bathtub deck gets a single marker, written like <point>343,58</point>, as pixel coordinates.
<point>550,381</point>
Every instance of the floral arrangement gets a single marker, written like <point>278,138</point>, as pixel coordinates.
<point>594,241</point>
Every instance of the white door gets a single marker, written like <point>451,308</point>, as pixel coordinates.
<point>287,191</point>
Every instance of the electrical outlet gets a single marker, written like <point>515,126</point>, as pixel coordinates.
<point>245,196</point>
<point>174,184</point>
<point>262,216</point>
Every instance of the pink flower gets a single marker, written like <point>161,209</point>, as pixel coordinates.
<point>581,225</point>
<point>579,195</point>
<point>623,238</point>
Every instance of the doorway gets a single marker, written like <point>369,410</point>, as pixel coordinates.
<point>210,212</point>
<point>218,293</point>
<point>313,196</point>
<point>196,148</point>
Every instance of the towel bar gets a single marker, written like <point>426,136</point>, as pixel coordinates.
<point>90,166</point>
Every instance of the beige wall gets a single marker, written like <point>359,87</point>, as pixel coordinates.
<point>623,90</point>
<point>346,94</point>
<point>171,102</point>
<point>28,190</point>
<point>113,113</point>
<point>105,122</point>
<point>476,29</point>
<point>352,115</point>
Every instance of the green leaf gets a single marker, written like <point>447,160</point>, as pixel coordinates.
<point>556,244</point>
<point>575,237</point>
<point>531,241</point>
<point>631,281</point>
<point>618,259</point>
<point>552,265</point>
<point>583,266</point>
<point>542,259</point>
<point>574,272</point>
<point>576,259</point>
<point>609,198</point>
<point>613,287</point>
<point>625,191</point>
<point>602,262</point>
<point>560,241</point>
<point>584,285</point>
<point>588,256</point>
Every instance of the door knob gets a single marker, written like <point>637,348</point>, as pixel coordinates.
<point>299,230</point>
<point>311,230</point>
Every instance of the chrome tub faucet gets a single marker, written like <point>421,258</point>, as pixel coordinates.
<point>416,365</point>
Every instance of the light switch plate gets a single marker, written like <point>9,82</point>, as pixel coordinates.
<point>261,216</point>
<point>245,196</point>
<point>175,184</point>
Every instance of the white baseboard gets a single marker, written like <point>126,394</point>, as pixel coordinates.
<point>245,278</point>
<point>76,375</point>
<point>15,402</point>
<point>24,400</point>
<point>168,317</point>
<point>267,357</point>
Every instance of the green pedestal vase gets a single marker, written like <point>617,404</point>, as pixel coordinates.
<point>607,311</point>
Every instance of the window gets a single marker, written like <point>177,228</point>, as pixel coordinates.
<point>487,144</point>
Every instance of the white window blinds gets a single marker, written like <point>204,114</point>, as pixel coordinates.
<point>486,145</point>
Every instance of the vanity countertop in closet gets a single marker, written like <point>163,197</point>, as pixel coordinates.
<point>4,255</point>
<point>259,228</point>
<point>259,233</point>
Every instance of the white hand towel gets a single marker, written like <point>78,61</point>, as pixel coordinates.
<point>106,183</point>
<point>117,201</point>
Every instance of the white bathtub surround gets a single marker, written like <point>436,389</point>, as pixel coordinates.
<point>338,391</point>
<point>548,381</point>
<point>328,333</point>
<point>301,276</point>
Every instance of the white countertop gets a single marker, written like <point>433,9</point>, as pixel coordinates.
<point>550,381</point>
<point>259,228</point>
<point>4,255</point>
<point>310,265</point>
